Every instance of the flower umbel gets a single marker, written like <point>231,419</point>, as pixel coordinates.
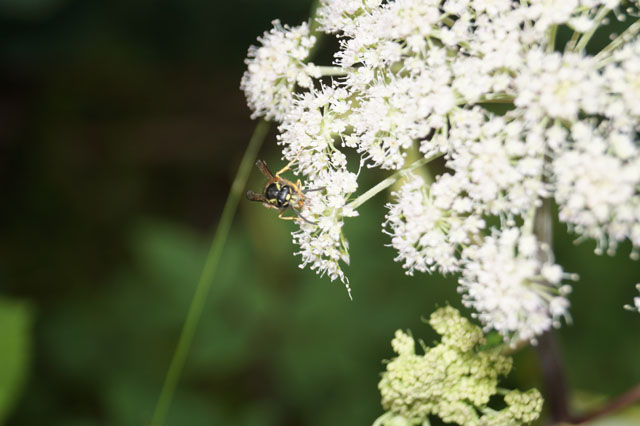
<point>512,290</point>
<point>419,78</point>
<point>519,121</point>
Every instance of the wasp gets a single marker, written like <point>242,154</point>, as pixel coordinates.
<point>280,193</point>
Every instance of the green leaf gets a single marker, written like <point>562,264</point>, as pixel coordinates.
<point>15,350</point>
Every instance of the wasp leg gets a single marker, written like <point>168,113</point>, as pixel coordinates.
<point>285,168</point>
<point>288,166</point>
<point>299,216</point>
<point>285,217</point>
<point>296,188</point>
<point>271,206</point>
<point>302,193</point>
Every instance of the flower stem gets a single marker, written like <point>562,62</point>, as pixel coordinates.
<point>571,44</point>
<point>314,25</point>
<point>207,275</point>
<point>498,98</point>
<point>391,180</point>
<point>314,29</point>
<point>332,71</point>
<point>543,226</point>
<point>548,349</point>
<point>551,42</point>
<point>502,391</point>
<point>213,258</point>
<point>626,35</point>
<point>596,23</point>
<point>383,418</point>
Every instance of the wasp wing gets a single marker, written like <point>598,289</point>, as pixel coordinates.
<point>262,166</point>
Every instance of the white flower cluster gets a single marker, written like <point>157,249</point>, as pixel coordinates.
<point>307,135</point>
<point>339,16</point>
<point>274,69</point>
<point>512,290</point>
<point>597,182</point>
<point>503,275</point>
<point>498,164</point>
<point>322,244</point>
<point>427,236</point>
<point>308,131</point>
<point>420,76</point>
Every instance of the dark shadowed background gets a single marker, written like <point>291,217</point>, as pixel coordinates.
<point>121,128</point>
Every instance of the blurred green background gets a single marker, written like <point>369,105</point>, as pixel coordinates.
<point>121,127</point>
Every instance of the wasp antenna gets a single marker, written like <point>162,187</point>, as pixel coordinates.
<point>314,189</point>
<point>302,217</point>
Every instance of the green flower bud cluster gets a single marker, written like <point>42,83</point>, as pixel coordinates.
<point>453,380</point>
<point>522,408</point>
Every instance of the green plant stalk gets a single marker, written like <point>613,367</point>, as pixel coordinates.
<point>627,35</point>
<point>571,44</point>
<point>386,183</point>
<point>551,365</point>
<point>208,273</point>
<point>314,26</point>
<point>314,30</point>
<point>413,155</point>
<point>213,258</point>
<point>584,40</point>
<point>551,33</point>
<point>333,71</point>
